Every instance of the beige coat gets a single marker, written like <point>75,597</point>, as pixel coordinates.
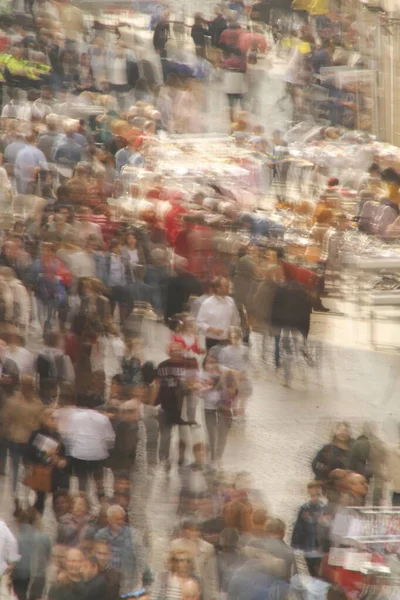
<point>19,418</point>
<point>205,564</point>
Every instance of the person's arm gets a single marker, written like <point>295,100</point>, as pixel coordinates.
<point>11,554</point>
<point>109,434</point>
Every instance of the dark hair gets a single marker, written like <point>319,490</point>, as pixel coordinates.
<point>374,167</point>
<point>190,524</point>
<point>149,372</point>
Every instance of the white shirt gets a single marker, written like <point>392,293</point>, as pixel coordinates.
<point>24,359</point>
<point>83,264</point>
<point>88,435</point>
<point>219,312</point>
<point>8,548</point>
<point>118,75</point>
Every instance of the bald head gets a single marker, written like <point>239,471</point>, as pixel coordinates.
<point>190,590</point>
<point>116,517</point>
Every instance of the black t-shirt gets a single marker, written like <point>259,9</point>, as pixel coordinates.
<point>171,375</point>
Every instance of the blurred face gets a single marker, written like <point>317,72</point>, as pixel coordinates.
<point>234,339</point>
<point>131,241</point>
<point>102,553</point>
<point>191,534</point>
<point>181,563</point>
<point>116,520</point>
<point>342,433</point>
<point>62,505</point>
<point>80,508</point>
<point>74,563</point>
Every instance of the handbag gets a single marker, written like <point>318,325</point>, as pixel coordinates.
<point>38,478</point>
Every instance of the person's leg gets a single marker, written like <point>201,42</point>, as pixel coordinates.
<point>15,456</point>
<point>165,439</point>
<point>224,425</point>
<point>80,470</point>
<point>21,588</point>
<point>37,588</point>
<point>377,495</point>
<point>40,502</point>
<point>211,426</point>
<point>97,469</point>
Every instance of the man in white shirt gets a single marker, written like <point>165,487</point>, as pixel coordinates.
<point>217,314</point>
<point>8,549</point>
<point>88,437</point>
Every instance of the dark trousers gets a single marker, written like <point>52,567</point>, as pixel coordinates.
<point>21,588</point>
<point>166,427</point>
<point>211,418</point>
<point>210,343</point>
<point>84,469</point>
<point>313,566</point>
<point>120,295</point>
<point>396,498</point>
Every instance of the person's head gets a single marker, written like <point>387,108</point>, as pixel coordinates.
<point>80,506</point>
<point>116,517</point>
<point>191,590</point>
<point>90,567</point>
<point>235,336</point>
<point>191,530</point>
<point>220,286</point>
<point>131,240</point>
<point>275,528</point>
<point>28,516</point>
<point>357,485</point>
<point>116,247</point>
<point>333,182</point>
<point>314,491</point>
<point>180,562</point>
<point>62,503</point>
<point>59,555</point>
<point>73,563</point>
<point>210,364</point>
<point>342,433</point>
<point>130,411</point>
<point>374,171</point>
<point>102,552</point>
<point>259,518</point>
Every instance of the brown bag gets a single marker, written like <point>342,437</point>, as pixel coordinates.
<point>38,478</point>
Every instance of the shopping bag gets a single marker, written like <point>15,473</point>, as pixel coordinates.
<point>38,478</point>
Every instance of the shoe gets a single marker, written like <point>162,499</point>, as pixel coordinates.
<point>321,308</point>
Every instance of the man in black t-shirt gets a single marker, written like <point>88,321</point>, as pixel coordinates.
<point>173,376</point>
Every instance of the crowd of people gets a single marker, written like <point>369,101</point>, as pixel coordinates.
<point>91,273</point>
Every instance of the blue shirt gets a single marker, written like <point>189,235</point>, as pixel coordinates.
<point>28,159</point>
